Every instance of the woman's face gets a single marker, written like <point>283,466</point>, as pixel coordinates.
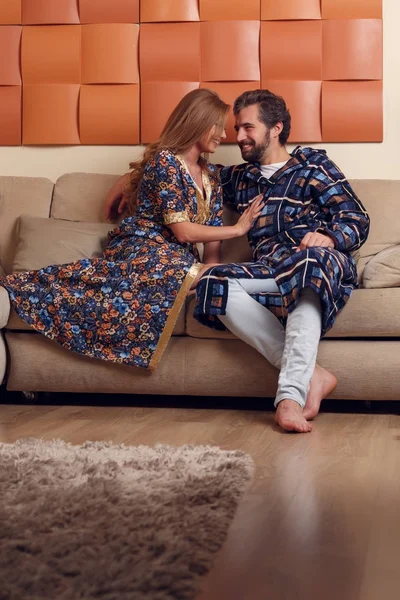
<point>210,142</point>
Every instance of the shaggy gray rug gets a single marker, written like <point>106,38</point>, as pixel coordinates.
<point>113,522</point>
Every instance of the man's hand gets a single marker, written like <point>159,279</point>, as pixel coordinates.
<point>313,239</point>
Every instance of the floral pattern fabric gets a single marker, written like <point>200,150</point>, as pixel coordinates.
<point>116,307</point>
<point>308,193</point>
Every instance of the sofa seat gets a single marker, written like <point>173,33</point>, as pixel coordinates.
<point>368,313</point>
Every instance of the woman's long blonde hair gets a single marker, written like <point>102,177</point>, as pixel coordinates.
<point>189,122</point>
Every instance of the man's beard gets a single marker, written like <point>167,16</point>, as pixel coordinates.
<point>256,152</point>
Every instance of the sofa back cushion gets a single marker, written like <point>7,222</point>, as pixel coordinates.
<point>81,196</point>
<point>20,195</point>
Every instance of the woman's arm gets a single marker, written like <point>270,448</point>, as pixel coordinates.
<point>187,232</point>
<point>116,200</point>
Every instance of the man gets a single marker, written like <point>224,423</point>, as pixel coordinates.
<point>303,273</point>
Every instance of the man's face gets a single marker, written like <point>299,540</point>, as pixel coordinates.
<point>253,136</point>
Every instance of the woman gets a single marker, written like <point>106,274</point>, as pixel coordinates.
<point>123,306</point>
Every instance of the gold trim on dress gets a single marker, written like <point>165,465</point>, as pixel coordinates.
<point>173,315</point>
<point>203,204</point>
<point>176,217</point>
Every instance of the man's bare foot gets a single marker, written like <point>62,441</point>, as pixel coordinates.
<point>323,383</point>
<point>289,415</point>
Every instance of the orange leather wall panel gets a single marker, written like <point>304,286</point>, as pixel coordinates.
<point>290,9</point>
<point>161,11</point>
<point>230,50</point>
<point>50,114</point>
<point>169,52</point>
<point>222,10</point>
<point>291,50</point>
<point>351,9</point>
<point>359,54</point>
<point>109,114</point>
<point>51,54</point>
<point>110,71</point>
<point>44,12</point>
<point>10,12</point>
<point>352,110</point>
<point>10,39</point>
<point>10,115</point>
<point>110,53</point>
<point>104,11</point>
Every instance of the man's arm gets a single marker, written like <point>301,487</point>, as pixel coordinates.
<point>347,221</point>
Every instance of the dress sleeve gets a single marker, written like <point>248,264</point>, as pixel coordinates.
<point>166,187</point>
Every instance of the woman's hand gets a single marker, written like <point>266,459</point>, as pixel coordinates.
<point>250,215</point>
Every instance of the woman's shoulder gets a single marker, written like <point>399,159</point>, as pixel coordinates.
<point>164,158</point>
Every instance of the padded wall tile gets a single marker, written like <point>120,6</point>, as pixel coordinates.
<point>45,12</point>
<point>303,99</point>
<point>169,52</point>
<point>106,11</point>
<point>291,50</point>
<point>10,115</point>
<point>51,54</point>
<point>221,10</point>
<point>10,40</point>
<point>110,53</point>
<point>10,12</point>
<point>276,10</point>
<point>359,53</point>
<point>230,51</point>
<point>352,111</point>
<point>229,91</point>
<point>50,114</point>
<point>161,11</point>
<point>158,99</point>
<point>109,114</point>
<point>351,9</point>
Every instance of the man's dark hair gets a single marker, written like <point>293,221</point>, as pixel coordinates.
<point>272,110</point>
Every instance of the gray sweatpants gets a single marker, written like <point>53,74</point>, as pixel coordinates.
<point>294,350</point>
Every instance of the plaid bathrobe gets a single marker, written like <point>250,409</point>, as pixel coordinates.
<point>308,193</point>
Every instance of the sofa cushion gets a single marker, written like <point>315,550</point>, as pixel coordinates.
<point>368,313</point>
<point>81,196</point>
<point>42,242</point>
<point>20,195</point>
<point>383,270</point>
<point>381,200</point>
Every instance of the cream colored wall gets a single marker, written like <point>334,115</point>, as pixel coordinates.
<point>368,161</point>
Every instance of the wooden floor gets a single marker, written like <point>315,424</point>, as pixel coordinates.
<point>321,520</point>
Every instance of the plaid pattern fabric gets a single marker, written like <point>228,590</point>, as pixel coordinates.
<point>308,193</point>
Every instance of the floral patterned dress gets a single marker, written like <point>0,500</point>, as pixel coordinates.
<point>122,307</point>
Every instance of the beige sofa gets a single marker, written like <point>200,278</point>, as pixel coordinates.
<point>64,221</point>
